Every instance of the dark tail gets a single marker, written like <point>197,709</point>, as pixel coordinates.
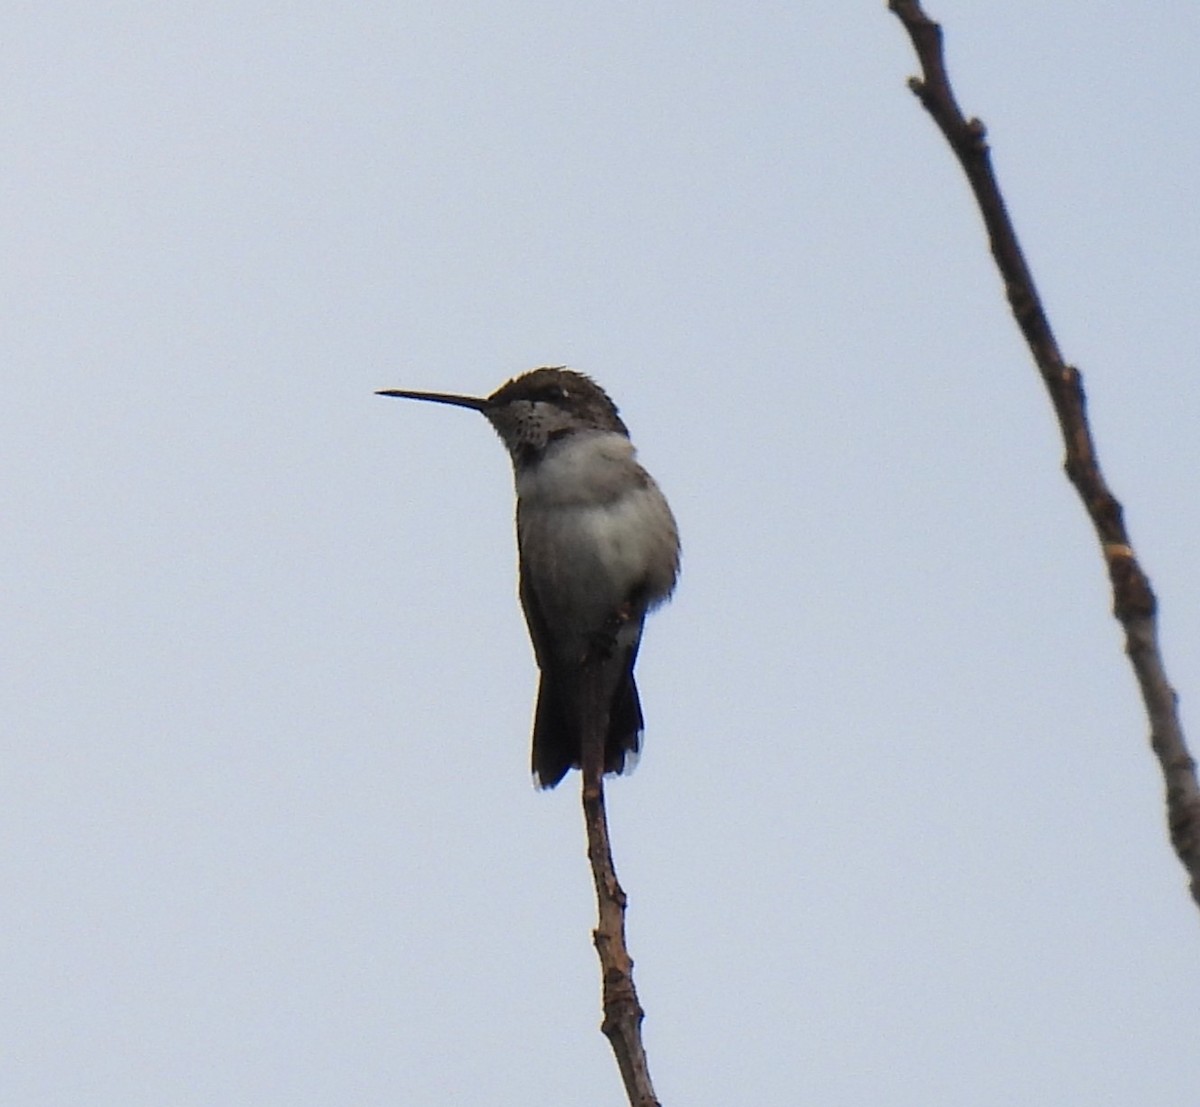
<point>557,745</point>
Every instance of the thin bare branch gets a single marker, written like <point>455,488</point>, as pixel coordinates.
<point>623,1013</point>
<point>1134,602</point>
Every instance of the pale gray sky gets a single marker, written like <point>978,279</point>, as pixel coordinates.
<point>268,836</point>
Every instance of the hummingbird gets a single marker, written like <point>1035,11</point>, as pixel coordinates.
<point>597,549</point>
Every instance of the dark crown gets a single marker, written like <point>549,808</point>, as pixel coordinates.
<point>565,389</point>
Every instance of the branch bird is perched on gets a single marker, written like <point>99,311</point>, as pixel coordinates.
<point>598,548</point>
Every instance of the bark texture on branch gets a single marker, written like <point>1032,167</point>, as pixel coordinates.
<point>1134,603</point>
<point>623,1013</point>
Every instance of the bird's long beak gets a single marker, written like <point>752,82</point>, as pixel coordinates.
<point>475,403</point>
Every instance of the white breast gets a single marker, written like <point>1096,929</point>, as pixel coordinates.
<point>588,467</point>
<point>594,526</point>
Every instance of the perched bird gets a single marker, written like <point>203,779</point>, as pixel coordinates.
<point>598,548</point>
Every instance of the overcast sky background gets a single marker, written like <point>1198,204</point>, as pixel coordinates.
<point>268,833</point>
